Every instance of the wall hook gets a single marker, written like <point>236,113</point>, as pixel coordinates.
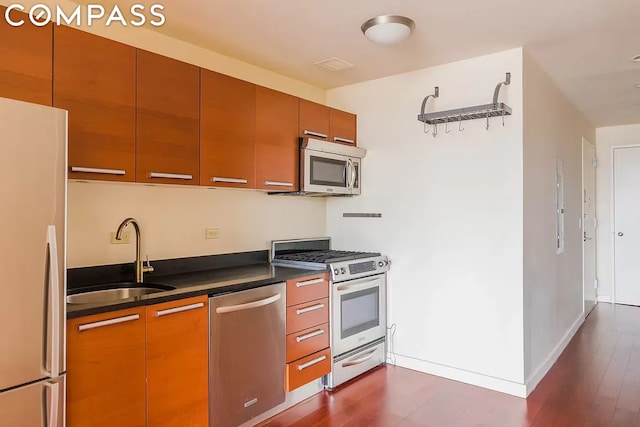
<point>460,128</point>
<point>446,125</point>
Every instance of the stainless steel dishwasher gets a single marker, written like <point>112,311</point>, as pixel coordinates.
<point>247,354</point>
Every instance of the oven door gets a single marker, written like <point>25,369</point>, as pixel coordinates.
<point>326,172</point>
<point>359,313</point>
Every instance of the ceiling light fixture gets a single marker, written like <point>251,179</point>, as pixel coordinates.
<point>636,58</point>
<point>388,29</point>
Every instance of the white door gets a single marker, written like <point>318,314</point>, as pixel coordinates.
<point>589,225</point>
<point>626,175</point>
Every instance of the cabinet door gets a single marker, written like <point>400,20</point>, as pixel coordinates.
<point>342,126</point>
<point>167,120</point>
<point>177,363</point>
<point>105,369</point>
<point>227,138</point>
<point>94,79</point>
<point>314,120</point>
<point>25,60</point>
<point>277,146</point>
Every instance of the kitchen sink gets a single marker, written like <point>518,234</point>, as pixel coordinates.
<point>114,292</point>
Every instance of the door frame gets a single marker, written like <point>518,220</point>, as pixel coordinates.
<point>595,241</point>
<point>612,232</point>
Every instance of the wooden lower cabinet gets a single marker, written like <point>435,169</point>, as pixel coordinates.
<point>307,369</point>
<point>177,363</point>
<point>106,369</point>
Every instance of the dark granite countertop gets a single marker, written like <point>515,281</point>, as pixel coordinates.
<point>190,284</point>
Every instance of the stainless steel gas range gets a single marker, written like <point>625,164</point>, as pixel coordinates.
<point>358,302</point>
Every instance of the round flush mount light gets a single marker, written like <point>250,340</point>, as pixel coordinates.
<point>388,29</point>
<point>636,58</point>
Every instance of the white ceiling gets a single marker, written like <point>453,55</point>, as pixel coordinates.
<point>584,45</point>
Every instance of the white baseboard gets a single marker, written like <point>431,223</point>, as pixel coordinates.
<point>537,376</point>
<point>604,298</point>
<point>473,378</point>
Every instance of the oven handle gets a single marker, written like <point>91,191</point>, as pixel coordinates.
<point>358,286</point>
<point>359,361</point>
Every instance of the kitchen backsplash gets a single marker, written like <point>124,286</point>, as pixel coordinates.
<point>173,220</point>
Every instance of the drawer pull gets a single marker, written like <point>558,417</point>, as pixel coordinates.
<point>338,139</point>
<point>308,309</point>
<point>170,175</point>
<point>311,363</point>
<point>161,313</point>
<point>229,180</point>
<point>279,183</point>
<point>108,322</point>
<point>359,361</point>
<point>251,402</point>
<point>309,335</point>
<point>318,134</point>
<point>309,282</point>
<point>98,170</point>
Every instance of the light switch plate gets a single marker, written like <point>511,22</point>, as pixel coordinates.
<point>212,233</point>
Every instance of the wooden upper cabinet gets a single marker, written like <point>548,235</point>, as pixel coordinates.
<point>277,145</point>
<point>227,131</point>
<point>167,114</point>
<point>106,370</point>
<point>25,60</point>
<point>178,363</point>
<point>314,120</point>
<point>94,79</point>
<point>342,126</point>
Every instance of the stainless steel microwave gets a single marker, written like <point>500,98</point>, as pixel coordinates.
<point>327,168</point>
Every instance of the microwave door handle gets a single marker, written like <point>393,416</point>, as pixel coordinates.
<point>349,173</point>
<point>353,174</point>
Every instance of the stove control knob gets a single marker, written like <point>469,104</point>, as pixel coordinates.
<point>336,271</point>
<point>342,270</point>
<point>381,264</point>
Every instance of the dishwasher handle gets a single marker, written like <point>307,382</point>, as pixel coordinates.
<point>249,305</point>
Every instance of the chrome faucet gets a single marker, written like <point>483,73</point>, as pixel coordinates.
<point>140,268</point>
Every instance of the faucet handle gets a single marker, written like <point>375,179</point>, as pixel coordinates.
<point>148,268</point>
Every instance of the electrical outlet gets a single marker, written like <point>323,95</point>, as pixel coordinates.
<point>126,239</point>
<point>212,233</point>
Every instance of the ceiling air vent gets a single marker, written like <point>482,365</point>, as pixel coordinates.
<point>334,64</point>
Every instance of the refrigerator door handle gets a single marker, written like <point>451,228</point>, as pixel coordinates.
<point>54,292</point>
<point>52,420</point>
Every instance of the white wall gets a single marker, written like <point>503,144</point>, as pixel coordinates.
<point>553,128</point>
<point>451,217</point>
<point>174,218</point>
<point>607,138</point>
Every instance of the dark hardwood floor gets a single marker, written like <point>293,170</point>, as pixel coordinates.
<point>595,382</point>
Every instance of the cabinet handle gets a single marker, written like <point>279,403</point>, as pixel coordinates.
<point>279,183</point>
<point>338,139</point>
<point>308,309</point>
<point>311,363</point>
<point>249,305</point>
<point>108,322</point>
<point>98,170</point>
<point>231,180</point>
<point>170,175</point>
<point>318,134</point>
<point>309,282</point>
<point>359,361</point>
<point>161,313</point>
<point>309,335</point>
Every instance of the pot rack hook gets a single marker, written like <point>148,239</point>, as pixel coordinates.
<point>503,118</point>
<point>460,128</point>
<point>446,125</point>
<point>487,120</point>
<point>435,130</point>
<point>426,130</point>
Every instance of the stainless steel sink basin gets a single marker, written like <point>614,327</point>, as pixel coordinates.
<point>114,292</point>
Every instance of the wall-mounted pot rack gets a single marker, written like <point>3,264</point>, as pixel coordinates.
<point>484,111</point>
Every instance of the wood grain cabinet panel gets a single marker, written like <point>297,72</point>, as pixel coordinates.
<point>314,120</point>
<point>277,145</point>
<point>307,341</point>
<point>307,369</point>
<point>177,363</point>
<point>106,370</point>
<point>94,79</point>
<point>307,288</point>
<point>167,120</point>
<point>25,60</point>
<point>342,127</point>
<point>307,315</point>
<point>227,131</point>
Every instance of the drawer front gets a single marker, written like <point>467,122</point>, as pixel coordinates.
<point>307,341</point>
<point>307,289</point>
<point>307,315</point>
<point>307,369</point>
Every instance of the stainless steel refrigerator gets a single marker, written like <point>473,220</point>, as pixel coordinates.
<point>33,141</point>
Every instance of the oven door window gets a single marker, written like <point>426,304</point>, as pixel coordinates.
<point>359,311</point>
<point>324,171</point>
